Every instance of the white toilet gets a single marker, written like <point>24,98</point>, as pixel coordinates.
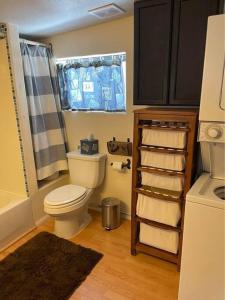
<point>69,204</point>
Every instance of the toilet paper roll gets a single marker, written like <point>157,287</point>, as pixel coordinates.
<point>117,165</point>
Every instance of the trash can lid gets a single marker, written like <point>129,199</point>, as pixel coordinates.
<point>110,201</point>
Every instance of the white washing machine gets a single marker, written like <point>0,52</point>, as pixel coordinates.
<point>203,258</point>
<point>202,274</point>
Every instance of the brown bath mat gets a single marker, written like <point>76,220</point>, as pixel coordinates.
<point>45,268</point>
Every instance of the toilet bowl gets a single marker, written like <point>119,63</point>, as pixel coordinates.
<point>68,204</point>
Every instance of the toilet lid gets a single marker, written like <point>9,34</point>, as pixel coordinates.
<point>65,194</point>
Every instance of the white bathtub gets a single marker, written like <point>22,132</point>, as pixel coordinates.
<point>16,217</point>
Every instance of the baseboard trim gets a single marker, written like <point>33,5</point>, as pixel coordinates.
<point>17,238</point>
<point>42,220</point>
<point>123,214</point>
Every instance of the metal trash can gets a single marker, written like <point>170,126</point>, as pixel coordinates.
<point>110,213</point>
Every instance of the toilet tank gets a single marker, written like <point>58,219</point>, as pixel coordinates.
<point>86,170</point>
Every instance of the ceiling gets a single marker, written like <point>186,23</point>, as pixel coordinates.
<point>42,18</point>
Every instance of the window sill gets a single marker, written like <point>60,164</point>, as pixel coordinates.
<point>96,112</point>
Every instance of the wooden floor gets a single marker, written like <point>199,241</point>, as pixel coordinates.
<point>118,276</point>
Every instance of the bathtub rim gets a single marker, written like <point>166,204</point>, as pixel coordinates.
<point>13,203</point>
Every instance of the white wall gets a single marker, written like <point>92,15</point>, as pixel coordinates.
<point>115,36</point>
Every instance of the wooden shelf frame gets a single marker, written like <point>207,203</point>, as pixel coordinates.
<point>167,128</point>
<point>161,196</point>
<point>160,171</point>
<point>189,117</point>
<point>164,150</point>
<point>142,248</point>
<point>157,224</point>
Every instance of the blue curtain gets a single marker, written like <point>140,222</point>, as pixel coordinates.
<point>93,84</point>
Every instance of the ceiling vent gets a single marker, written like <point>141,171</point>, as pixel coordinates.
<point>107,11</point>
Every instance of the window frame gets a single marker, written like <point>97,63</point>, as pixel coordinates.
<point>67,60</point>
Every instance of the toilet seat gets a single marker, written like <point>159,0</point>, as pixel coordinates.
<point>65,196</point>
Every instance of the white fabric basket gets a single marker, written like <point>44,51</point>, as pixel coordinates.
<point>161,211</point>
<point>173,183</point>
<point>167,240</point>
<point>164,138</point>
<point>175,162</point>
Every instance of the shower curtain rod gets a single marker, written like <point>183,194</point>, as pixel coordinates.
<point>34,43</point>
<point>88,56</point>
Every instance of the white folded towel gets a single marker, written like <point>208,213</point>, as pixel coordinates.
<point>167,240</point>
<point>157,210</point>
<point>173,183</point>
<point>175,162</point>
<point>164,138</point>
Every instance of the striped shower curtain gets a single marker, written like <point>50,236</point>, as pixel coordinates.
<point>46,120</point>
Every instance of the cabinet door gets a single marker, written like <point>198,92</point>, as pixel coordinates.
<point>152,29</point>
<point>188,46</point>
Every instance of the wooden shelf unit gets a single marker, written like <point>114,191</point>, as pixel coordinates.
<point>181,120</point>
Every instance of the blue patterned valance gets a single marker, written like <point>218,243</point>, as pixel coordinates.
<point>93,83</point>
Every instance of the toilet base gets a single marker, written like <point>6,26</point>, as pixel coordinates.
<point>70,225</point>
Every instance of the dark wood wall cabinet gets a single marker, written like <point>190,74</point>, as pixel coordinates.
<point>169,46</point>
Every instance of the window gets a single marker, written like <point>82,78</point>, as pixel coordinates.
<point>96,83</point>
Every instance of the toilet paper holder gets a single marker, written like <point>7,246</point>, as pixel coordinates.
<point>125,165</point>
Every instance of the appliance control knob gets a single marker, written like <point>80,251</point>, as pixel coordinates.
<point>214,132</point>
